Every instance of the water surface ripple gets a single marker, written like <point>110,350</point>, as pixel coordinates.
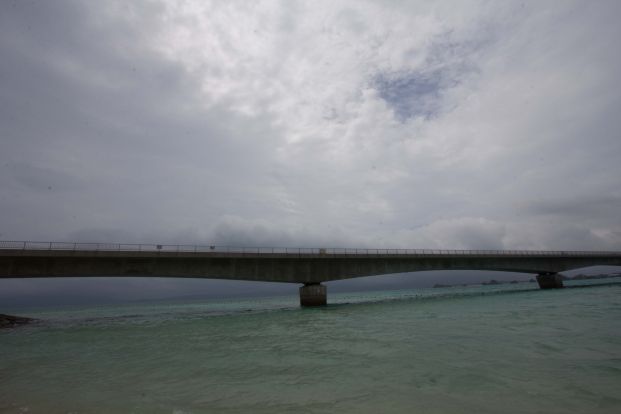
<point>485,349</point>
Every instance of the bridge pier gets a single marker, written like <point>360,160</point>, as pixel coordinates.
<point>313,294</point>
<point>550,281</point>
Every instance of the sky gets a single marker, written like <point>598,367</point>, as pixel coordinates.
<point>381,124</point>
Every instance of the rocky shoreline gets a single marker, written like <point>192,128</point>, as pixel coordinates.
<point>10,321</point>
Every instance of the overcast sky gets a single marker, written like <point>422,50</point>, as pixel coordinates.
<point>414,124</point>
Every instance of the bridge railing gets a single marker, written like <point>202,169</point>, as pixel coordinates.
<point>186,248</point>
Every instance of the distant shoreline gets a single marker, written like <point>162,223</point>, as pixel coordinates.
<point>10,321</point>
<point>496,282</point>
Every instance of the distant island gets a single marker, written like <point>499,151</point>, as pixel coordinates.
<point>587,277</point>
<point>496,282</point>
<point>490,282</point>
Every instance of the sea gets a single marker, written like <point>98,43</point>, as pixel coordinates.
<point>510,348</point>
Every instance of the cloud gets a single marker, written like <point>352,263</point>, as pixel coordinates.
<point>408,124</point>
<point>470,233</point>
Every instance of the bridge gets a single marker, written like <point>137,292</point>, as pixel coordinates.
<point>308,266</point>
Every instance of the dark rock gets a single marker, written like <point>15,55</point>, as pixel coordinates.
<point>9,321</point>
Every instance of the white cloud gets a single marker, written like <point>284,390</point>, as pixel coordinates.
<point>410,124</point>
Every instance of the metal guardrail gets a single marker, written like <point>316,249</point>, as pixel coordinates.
<point>141,247</point>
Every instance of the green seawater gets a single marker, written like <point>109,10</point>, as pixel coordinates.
<point>482,349</point>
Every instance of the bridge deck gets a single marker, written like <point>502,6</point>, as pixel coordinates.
<point>304,265</point>
<point>30,247</point>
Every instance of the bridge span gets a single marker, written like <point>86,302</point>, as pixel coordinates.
<point>307,266</point>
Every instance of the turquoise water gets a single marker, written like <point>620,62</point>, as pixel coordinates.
<point>485,349</point>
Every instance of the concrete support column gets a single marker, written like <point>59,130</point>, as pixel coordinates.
<point>313,294</point>
<point>550,281</point>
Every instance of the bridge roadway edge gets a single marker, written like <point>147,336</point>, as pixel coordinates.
<point>308,269</point>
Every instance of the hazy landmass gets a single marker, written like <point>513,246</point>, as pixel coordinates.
<point>580,276</point>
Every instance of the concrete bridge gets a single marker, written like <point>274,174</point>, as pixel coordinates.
<point>307,266</point>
